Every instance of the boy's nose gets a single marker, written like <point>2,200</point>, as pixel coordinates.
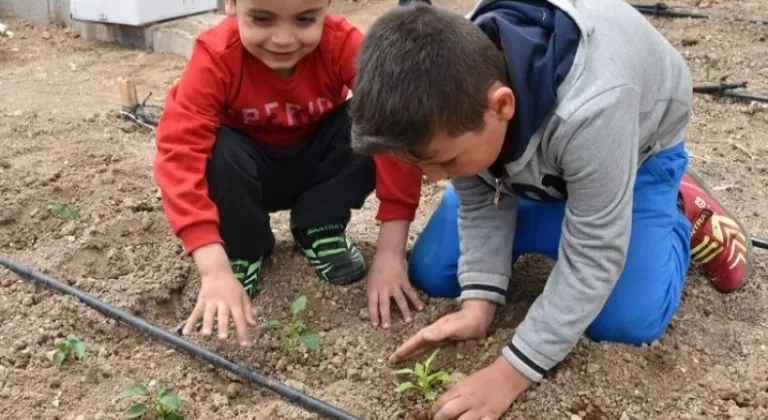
<point>282,38</point>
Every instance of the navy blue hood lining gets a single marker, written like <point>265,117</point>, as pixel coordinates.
<point>539,42</point>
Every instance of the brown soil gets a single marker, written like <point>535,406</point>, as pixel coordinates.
<point>61,140</point>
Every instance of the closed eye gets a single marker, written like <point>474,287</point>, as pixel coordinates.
<point>306,20</point>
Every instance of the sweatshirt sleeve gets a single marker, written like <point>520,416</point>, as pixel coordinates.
<point>398,188</point>
<point>185,137</point>
<point>486,239</point>
<point>398,185</point>
<point>599,162</point>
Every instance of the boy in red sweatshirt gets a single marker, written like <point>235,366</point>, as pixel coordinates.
<point>258,123</point>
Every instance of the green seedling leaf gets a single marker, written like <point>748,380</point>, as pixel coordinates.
<point>64,211</point>
<point>133,391</point>
<point>419,370</point>
<point>405,386</point>
<point>424,380</point>
<point>271,324</point>
<point>310,339</point>
<point>171,401</point>
<point>429,360</point>
<point>63,346</point>
<point>79,346</point>
<point>441,376</point>
<point>174,416</point>
<point>137,411</point>
<point>299,305</point>
<point>58,358</point>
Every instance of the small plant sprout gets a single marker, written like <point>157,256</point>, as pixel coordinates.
<point>165,404</point>
<point>67,348</point>
<point>295,331</point>
<point>423,379</point>
<point>64,211</point>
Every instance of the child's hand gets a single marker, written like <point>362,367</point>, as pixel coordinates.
<point>388,279</point>
<point>471,322</point>
<point>221,296</point>
<point>485,395</point>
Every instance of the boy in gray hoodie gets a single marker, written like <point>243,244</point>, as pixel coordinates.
<point>562,127</point>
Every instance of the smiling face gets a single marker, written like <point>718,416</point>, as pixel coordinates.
<point>280,32</point>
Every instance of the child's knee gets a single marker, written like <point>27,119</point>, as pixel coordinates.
<point>432,267</point>
<point>635,327</point>
<point>433,262</point>
<point>435,278</point>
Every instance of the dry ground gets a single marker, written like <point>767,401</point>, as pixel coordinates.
<point>61,140</point>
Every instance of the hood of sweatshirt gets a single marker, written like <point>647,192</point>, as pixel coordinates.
<point>540,42</point>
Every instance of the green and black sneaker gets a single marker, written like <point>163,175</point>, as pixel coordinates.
<point>333,255</point>
<point>247,271</point>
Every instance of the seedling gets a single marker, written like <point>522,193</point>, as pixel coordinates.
<point>295,331</point>
<point>64,211</point>
<point>165,404</point>
<point>68,347</point>
<point>424,380</point>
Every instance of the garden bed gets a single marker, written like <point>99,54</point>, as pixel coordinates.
<point>62,141</point>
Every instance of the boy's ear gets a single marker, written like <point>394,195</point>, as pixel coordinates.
<point>501,101</point>
<point>229,7</point>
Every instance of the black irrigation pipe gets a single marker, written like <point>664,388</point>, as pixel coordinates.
<point>661,9</point>
<point>726,89</point>
<point>253,377</point>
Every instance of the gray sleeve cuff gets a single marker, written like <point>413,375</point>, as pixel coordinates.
<point>491,287</point>
<point>526,360</point>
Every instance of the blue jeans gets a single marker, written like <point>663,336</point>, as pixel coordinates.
<point>648,291</point>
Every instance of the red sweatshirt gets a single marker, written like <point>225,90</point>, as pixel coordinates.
<point>224,84</point>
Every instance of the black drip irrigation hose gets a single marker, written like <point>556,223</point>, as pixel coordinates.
<point>253,377</point>
<point>661,9</point>
<point>726,89</point>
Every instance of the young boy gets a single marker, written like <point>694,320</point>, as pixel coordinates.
<point>258,123</point>
<point>561,125</point>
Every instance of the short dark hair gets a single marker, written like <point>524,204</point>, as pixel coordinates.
<point>421,71</point>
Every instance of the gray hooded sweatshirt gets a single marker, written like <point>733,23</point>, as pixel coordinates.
<point>598,90</point>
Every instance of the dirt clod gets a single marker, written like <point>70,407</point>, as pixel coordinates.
<point>233,390</point>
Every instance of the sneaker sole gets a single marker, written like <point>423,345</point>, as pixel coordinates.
<point>750,258</point>
<point>351,279</point>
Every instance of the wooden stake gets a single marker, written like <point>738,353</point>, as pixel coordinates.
<point>128,97</point>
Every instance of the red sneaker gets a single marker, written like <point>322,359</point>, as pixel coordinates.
<point>718,240</point>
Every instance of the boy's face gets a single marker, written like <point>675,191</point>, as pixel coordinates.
<point>473,152</point>
<point>279,32</point>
